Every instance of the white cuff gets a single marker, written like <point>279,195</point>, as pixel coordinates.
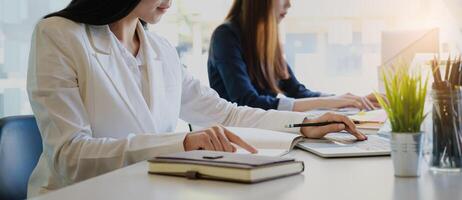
<point>146,146</point>
<point>326,94</point>
<point>286,104</point>
<point>280,119</point>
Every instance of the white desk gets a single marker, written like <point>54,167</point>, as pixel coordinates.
<point>352,178</point>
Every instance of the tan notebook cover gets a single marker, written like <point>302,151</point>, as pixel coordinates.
<point>224,160</point>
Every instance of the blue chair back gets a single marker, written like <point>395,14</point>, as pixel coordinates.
<point>20,149</point>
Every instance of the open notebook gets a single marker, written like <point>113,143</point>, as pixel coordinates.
<point>268,143</point>
<point>341,144</point>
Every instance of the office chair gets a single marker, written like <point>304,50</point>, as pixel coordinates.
<point>20,149</point>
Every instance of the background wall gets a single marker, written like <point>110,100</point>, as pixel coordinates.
<point>333,45</point>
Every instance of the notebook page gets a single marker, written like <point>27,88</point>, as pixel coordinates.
<point>268,143</point>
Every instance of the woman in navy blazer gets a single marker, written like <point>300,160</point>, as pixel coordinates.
<point>246,63</point>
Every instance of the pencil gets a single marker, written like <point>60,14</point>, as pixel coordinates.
<point>317,124</point>
<point>454,76</point>
<point>459,66</point>
<point>448,68</point>
<point>436,72</point>
<point>459,81</point>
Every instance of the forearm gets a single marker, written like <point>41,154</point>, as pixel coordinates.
<point>258,118</point>
<point>84,157</point>
<point>306,104</point>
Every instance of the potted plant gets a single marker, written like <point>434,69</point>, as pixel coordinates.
<point>405,94</point>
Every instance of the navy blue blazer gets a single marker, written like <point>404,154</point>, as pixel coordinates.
<point>228,73</point>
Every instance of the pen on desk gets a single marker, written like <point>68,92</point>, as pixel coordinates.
<point>317,124</point>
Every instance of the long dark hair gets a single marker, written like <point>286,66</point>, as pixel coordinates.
<point>260,41</point>
<point>96,12</point>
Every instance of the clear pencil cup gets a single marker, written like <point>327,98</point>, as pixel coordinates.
<point>446,153</point>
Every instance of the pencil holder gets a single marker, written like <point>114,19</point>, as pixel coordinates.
<point>447,130</point>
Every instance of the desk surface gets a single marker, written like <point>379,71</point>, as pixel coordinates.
<point>348,178</point>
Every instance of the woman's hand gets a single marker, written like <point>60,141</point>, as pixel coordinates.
<point>368,102</point>
<point>321,131</point>
<point>332,102</point>
<point>343,101</point>
<point>371,97</point>
<point>216,138</point>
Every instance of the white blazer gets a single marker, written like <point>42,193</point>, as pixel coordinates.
<point>93,117</point>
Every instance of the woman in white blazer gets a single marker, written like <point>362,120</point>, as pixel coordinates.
<point>107,93</point>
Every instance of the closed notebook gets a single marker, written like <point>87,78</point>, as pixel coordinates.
<point>244,168</point>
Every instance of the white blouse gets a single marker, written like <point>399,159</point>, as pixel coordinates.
<point>136,65</point>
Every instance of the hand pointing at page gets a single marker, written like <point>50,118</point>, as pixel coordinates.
<point>216,138</point>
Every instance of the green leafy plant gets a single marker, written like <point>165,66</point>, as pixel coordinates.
<point>405,94</point>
